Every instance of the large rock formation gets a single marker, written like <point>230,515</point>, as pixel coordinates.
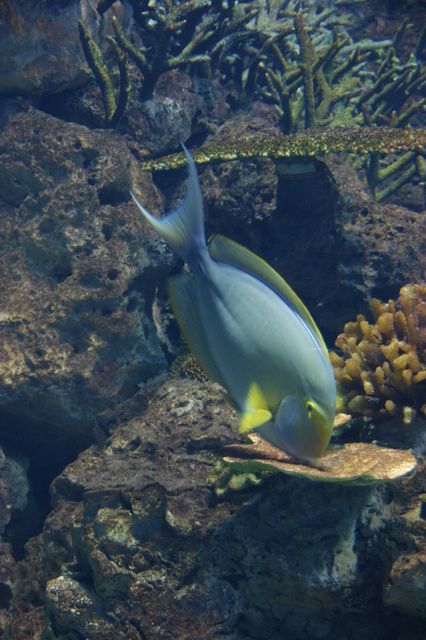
<point>139,545</point>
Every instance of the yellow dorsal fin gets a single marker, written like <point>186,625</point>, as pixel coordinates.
<point>256,410</point>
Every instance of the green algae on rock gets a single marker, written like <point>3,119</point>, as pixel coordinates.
<point>306,144</point>
<point>357,463</point>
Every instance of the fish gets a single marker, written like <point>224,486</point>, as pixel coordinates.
<point>250,332</point>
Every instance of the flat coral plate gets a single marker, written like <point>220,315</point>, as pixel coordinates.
<point>358,463</point>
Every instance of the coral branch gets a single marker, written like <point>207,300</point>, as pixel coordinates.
<point>358,140</point>
<point>99,69</point>
<point>95,60</point>
<point>307,53</point>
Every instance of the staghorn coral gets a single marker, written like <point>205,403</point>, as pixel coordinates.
<point>345,82</point>
<point>114,110</point>
<point>169,34</point>
<point>301,59</point>
<point>382,370</point>
<point>325,78</point>
<point>357,140</point>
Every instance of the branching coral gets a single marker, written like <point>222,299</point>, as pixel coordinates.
<point>382,370</point>
<point>357,140</point>
<point>345,82</point>
<point>325,80</point>
<point>114,110</point>
<point>302,60</point>
<point>173,34</point>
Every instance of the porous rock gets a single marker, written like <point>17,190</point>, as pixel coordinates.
<point>79,271</point>
<point>40,47</point>
<point>137,542</point>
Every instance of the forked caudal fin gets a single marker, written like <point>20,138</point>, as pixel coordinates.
<point>183,228</point>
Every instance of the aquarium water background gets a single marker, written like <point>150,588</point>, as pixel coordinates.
<point>130,507</point>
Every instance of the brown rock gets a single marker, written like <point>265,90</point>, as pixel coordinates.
<point>40,47</point>
<point>406,588</point>
<point>78,272</point>
<point>138,544</point>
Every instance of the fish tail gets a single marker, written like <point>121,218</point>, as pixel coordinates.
<point>183,228</point>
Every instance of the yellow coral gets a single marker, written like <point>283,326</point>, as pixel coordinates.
<point>382,369</point>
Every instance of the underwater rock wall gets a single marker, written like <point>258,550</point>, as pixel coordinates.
<point>39,45</point>
<point>137,544</point>
<point>78,273</point>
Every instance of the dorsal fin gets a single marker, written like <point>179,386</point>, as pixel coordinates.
<point>225,250</point>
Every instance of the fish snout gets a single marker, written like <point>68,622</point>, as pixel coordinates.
<point>302,427</point>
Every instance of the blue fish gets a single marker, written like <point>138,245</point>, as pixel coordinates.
<point>250,332</point>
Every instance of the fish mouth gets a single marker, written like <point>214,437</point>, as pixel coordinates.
<point>324,426</point>
<point>303,428</point>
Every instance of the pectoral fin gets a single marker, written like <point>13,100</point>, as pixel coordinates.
<point>256,410</point>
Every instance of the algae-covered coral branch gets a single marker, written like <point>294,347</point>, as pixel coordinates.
<point>381,371</point>
<point>358,140</point>
<point>113,110</point>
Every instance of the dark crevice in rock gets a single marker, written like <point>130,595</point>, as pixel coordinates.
<point>48,450</point>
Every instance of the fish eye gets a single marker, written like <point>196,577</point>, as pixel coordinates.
<point>309,406</point>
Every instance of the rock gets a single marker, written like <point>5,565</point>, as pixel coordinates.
<point>14,489</point>
<point>40,46</point>
<point>7,579</point>
<point>181,106</point>
<point>79,272</point>
<point>405,589</point>
<point>364,249</point>
<point>139,545</point>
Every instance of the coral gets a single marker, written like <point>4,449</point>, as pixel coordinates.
<point>325,79</point>
<point>382,369</point>
<point>345,82</point>
<point>173,35</point>
<point>302,60</point>
<point>357,140</point>
<point>114,111</point>
<point>225,479</point>
<point>357,463</point>
<point>342,81</point>
<point>186,366</point>
<point>183,34</point>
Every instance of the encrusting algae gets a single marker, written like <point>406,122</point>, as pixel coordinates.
<point>381,372</point>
